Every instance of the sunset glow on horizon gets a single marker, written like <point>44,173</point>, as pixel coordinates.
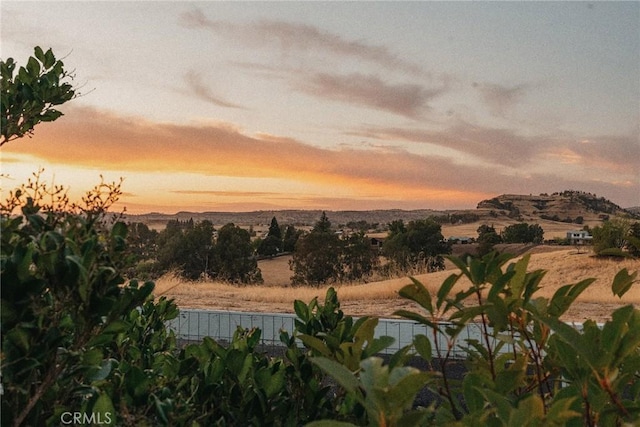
<point>233,106</point>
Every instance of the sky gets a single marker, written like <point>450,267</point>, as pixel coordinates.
<point>240,106</point>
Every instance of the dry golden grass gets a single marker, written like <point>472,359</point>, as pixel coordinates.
<point>552,229</point>
<point>381,298</point>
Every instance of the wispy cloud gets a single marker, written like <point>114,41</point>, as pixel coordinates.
<point>620,154</point>
<point>300,38</point>
<point>410,100</point>
<point>501,98</point>
<point>201,90</point>
<point>496,146</point>
<point>132,144</point>
<point>506,147</point>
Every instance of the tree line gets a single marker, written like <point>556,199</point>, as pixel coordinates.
<point>196,250</point>
<point>323,255</point>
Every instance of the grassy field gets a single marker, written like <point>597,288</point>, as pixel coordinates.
<point>381,298</point>
<point>552,229</point>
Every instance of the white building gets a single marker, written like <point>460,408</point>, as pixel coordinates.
<point>580,237</point>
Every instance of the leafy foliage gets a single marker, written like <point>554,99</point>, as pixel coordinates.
<point>193,250</point>
<point>316,259</point>
<point>487,239</point>
<point>30,95</point>
<point>617,237</point>
<point>419,243</point>
<point>321,256</point>
<point>234,256</point>
<point>62,292</point>
<point>523,233</point>
<point>273,243</point>
<point>528,365</point>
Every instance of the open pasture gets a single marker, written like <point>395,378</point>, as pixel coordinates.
<point>381,298</point>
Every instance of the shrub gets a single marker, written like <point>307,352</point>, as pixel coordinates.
<point>548,366</point>
<point>62,295</point>
<point>613,237</point>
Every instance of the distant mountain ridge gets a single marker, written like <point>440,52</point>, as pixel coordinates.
<point>566,206</point>
<point>291,216</point>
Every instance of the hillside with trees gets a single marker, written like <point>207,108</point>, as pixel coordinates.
<point>566,206</point>
<point>570,207</point>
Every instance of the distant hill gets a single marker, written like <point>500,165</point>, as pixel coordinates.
<point>566,206</point>
<point>295,217</point>
<point>634,210</point>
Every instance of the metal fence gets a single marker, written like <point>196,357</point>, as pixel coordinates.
<point>194,325</point>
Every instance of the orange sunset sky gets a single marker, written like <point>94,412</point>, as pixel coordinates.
<point>236,106</point>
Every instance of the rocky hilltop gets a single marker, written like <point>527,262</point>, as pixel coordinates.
<point>566,206</point>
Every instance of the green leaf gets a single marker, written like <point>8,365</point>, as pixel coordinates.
<point>104,406</point>
<point>560,411</point>
<point>460,264</point>
<point>418,293</point>
<point>627,332</point>
<point>377,345</point>
<point>337,371</point>
<point>24,264</point>
<point>520,272</point>
<point>407,386</point>
<point>364,329</point>
<point>104,371</point>
<point>445,288</point>
<point>19,337</point>
<point>529,409</point>
<point>116,326</point>
<point>160,409</point>
<point>477,272</point>
<point>622,282</point>
<point>272,384</point>
<point>564,297</point>
<point>471,386</point>
<point>512,377</point>
<point>415,317</point>
<point>569,335</point>
<point>316,344</point>
<point>137,382</point>
<point>423,346</point>
<point>49,59</point>
<point>92,357</point>
<point>301,310</point>
<point>373,374</point>
<point>39,53</point>
<point>33,66</point>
